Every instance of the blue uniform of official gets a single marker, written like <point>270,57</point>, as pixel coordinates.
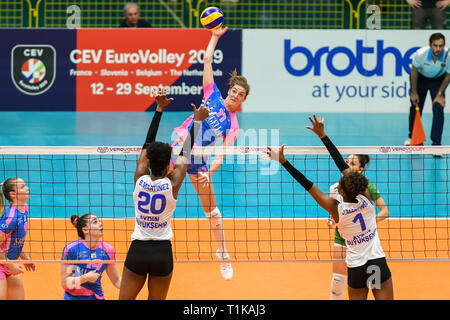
<point>430,77</point>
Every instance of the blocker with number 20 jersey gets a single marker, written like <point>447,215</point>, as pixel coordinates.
<point>154,205</point>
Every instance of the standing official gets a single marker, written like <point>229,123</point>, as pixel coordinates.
<point>430,72</point>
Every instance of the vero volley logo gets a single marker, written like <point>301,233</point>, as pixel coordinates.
<point>355,59</point>
<point>119,149</point>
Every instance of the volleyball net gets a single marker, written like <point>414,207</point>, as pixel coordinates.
<point>267,215</point>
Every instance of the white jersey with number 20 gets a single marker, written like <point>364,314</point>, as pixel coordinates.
<point>154,206</point>
<point>358,226</point>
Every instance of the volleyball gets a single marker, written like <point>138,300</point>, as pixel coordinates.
<point>211,18</point>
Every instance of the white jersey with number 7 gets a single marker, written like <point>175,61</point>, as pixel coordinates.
<point>358,226</point>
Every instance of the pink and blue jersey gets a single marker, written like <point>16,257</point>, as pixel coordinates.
<point>78,250</point>
<point>220,124</point>
<point>14,225</point>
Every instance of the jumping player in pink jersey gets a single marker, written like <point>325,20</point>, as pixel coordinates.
<point>13,230</point>
<point>82,281</point>
<point>222,123</point>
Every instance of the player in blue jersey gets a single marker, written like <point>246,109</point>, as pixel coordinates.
<point>82,281</point>
<point>13,230</point>
<point>222,123</point>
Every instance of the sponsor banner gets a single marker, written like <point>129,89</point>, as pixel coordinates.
<point>34,65</point>
<point>330,70</point>
<point>117,70</point>
<point>110,69</point>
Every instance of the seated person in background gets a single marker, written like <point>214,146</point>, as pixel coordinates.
<point>131,13</point>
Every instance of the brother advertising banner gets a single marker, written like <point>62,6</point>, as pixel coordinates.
<point>109,69</point>
<point>330,70</point>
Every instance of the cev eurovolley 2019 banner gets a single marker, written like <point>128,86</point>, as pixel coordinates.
<point>109,69</point>
<point>288,70</point>
<point>358,71</point>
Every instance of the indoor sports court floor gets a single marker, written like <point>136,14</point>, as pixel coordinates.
<point>261,280</point>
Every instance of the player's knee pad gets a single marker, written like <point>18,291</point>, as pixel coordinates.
<point>213,214</point>
<point>338,283</point>
<point>215,218</point>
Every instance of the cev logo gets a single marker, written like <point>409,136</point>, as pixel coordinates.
<point>354,59</point>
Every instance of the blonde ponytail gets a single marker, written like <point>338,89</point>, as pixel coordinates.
<point>6,187</point>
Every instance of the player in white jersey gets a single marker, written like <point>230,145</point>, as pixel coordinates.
<point>356,162</point>
<point>155,198</point>
<point>355,215</point>
<point>154,206</point>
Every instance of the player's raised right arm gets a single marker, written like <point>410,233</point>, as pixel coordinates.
<point>318,128</point>
<point>208,76</point>
<point>328,203</point>
<point>143,163</point>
